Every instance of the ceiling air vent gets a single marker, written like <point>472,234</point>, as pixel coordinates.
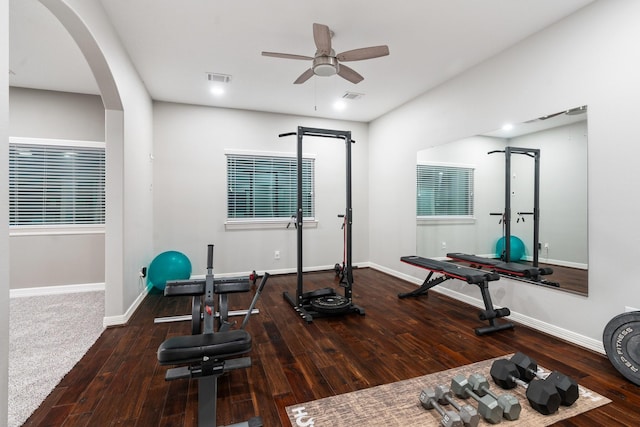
<point>352,95</point>
<point>219,78</point>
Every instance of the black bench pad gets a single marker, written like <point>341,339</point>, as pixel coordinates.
<point>195,287</point>
<point>498,265</point>
<point>193,348</point>
<point>469,275</point>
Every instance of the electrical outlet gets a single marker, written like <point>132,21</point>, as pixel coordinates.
<point>143,272</point>
<point>444,245</point>
<point>629,309</point>
<point>546,246</point>
<point>276,255</point>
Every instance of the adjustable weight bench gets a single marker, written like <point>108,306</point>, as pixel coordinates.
<point>512,269</point>
<point>470,275</point>
<point>207,355</point>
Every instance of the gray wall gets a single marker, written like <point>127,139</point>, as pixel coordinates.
<point>4,214</point>
<point>589,58</point>
<point>190,188</point>
<point>40,260</point>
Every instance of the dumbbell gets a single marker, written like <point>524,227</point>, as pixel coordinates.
<point>528,369</point>
<point>542,395</point>
<point>487,406</point>
<point>509,403</point>
<point>429,400</point>
<point>468,413</point>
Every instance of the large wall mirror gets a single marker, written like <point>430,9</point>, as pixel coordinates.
<point>450,221</point>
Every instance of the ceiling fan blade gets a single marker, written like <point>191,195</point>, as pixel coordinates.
<point>286,55</point>
<point>349,74</point>
<point>304,77</point>
<point>322,38</point>
<point>363,53</point>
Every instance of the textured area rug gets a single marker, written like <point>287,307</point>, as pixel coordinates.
<point>397,404</point>
<point>48,335</point>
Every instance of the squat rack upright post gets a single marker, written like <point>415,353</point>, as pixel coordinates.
<point>302,300</point>
<point>531,152</point>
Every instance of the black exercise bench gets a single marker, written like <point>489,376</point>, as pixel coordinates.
<point>513,269</point>
<point>470,275</point>
<point>208,356</point>
<point>209,351</point>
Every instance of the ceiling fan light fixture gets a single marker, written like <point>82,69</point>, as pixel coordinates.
<point>325,66</point>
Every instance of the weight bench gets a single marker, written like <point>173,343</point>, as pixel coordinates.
<point>470,275</point>
<point>512,269</point>
<point>208,356</point>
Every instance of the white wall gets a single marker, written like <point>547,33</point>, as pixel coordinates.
<point>4,213</point>
<point>129,140</point>
<point>190,188</point>
<point>589,58</point>
<point>40,260</point>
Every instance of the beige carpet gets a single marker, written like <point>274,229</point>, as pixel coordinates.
<point>397,404</point>
<point>48,335</point>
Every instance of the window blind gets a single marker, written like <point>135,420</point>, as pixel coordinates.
<point>444,191</point>
<point>265,187</point>
<point>56,184</point>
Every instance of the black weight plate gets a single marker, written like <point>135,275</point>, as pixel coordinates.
<point>196,315</point>
<point>621,339</point>
<point>331,304</point>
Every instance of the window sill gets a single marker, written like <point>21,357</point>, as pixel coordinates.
<point>266,224</point>
<point>48,230</point>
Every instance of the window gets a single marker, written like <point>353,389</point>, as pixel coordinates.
<point>444,191</point>
<point>54,182</point>
<point>263,187</point>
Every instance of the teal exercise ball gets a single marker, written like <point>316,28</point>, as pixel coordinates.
<point>170,265</point>
<point>517,248</point>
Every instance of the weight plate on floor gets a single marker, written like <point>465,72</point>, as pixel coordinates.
<point>621,339</point>
<point>330,304</point>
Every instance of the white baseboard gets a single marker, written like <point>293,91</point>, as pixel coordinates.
<point>564,334</point>
<point>123,319</point>
<point>55,290</point>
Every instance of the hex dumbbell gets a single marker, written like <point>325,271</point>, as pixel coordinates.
<point>542,395</point>
<point>429,400</point>
<point>468,414</point>
<point>487,406</point>
<point>509,403</point>
<point>528,369</point>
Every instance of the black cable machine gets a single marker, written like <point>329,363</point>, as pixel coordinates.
<point>514,269</point>
<point>325,301</point>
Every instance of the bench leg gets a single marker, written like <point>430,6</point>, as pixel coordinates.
<point>494,326</point>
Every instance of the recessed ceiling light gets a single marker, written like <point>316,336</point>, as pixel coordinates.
<point>507,126</point>
<point>340,104</point>
<point>217,90</point>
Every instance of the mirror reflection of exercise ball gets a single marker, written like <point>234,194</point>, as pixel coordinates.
<point>517,248</point>
<point>170,265</point>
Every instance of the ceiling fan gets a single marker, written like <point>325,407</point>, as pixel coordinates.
<point>325,62</point>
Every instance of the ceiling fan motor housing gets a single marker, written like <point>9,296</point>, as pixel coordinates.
<point>325,66</point>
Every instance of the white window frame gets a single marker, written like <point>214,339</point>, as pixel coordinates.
<point>266,223</point>
<point>447,219</point>
<point>52,228</point>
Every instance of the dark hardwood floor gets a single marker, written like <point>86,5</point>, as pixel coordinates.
<point>119,382</point>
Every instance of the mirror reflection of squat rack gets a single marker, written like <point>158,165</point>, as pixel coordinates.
<point>325,301</point>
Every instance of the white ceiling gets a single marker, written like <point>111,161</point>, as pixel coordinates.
<point>173,43</point>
